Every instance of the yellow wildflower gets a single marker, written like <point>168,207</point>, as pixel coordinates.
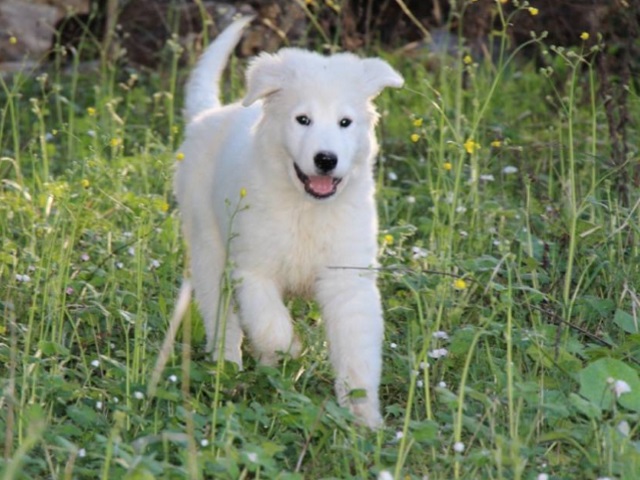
<point>13,40</point>
<point>174,129</point>
<point>164,207</point>
<point>584,36</point>
<point>417,122</point>
<point>85,183</point>
<point>447,166</point>
<point>533,11</point>
<point>115,142</point>
<point>91,111</point>
<point>467,59</point>
<point>460,284</point>
<point>243,192</point>
<point>388,239</point>
<point>179,156</point>
<point>415,137</point>
<point>470,146</point>
<point>496,143</point>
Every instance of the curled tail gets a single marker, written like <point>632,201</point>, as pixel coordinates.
<point>202,92</point>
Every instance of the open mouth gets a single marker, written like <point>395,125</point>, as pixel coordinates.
<point>318,186</point>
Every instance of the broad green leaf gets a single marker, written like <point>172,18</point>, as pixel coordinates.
<point>52,348</point>
<point>597,384</point>
<point>626,321</point>
<point>84,416</point>
<point>425,431</point>
<point>139,473</point>
<point>585,407</point>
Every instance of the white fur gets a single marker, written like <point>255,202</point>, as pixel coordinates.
<point>286,241</point>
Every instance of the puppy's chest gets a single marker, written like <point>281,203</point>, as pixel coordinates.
<point>294,248</point>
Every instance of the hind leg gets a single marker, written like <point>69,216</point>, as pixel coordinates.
<point>221,322</point>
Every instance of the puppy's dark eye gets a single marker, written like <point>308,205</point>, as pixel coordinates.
<point>345,122</point>
<point>303,120</point>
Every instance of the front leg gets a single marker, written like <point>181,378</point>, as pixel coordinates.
<point>352,313</point>
<point>265,318</point>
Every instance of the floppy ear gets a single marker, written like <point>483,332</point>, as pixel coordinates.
<point>265,76</point>
<point>378,75</point>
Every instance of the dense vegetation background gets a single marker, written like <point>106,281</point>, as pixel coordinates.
<point>509,209</point>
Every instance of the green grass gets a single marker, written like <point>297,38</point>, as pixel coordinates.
<point>532,274</point>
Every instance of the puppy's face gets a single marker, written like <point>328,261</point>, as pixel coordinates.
<point>319,110</point>
<point>326,140</point>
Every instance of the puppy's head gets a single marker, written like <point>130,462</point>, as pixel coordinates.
<point>319,111</point>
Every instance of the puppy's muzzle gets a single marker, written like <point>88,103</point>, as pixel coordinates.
<point>323,185</point>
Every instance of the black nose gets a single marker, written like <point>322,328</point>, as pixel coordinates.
<point>325,161</point>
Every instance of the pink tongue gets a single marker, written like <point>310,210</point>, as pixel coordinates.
<point>320,184</point>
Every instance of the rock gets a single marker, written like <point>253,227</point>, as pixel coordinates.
<point>27,28</point>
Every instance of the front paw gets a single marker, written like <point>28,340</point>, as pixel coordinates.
<point>272,358</point>
<point>366,412</point>
<point>363,403</point>
<point>231,355</point>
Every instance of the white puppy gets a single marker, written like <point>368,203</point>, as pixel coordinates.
<point>297,153</point>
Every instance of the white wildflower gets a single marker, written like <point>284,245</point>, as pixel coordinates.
<point>154,264</point>
<point>98,405</point>
<point>399,434</point>
<point>24,278</point>
<point>419,383</point>
<point>138,395</point>
<point>418,252</point>
<point>95,363</point>
<point>624,428</point>
<point>508,170</point>
<point>82,453</point>
<point>542,476</point>
<point>411,199</point>
<point>438,353</point>
<point>461,209</point>
<point>392,176</point>
<point>488,177</point>
<point>173,378</point>
<point>253,457</point>
<point>442,385</point>
<point>393,345</point>
<point>620,387</point>
<point>458,447</point>
<point>204,442</point>
<point>385,475</point>
<point>440,335</point>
